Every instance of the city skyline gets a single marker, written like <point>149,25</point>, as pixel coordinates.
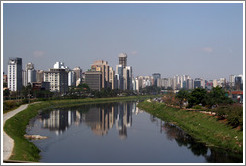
<point>200,40</point>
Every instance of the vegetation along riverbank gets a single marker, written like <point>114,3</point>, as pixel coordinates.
<point>203,127</point>
<point>15,127</point>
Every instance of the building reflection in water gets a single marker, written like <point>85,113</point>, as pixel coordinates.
<point>100,118</point>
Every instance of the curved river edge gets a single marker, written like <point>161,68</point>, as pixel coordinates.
<point>202,127</point>
<point>15,127</point>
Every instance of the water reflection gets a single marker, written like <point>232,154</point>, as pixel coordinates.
<point>215,155</point>
<point>100,118</point>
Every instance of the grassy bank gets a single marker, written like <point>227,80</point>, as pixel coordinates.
<point>202,127</point>
<point>15,127</point>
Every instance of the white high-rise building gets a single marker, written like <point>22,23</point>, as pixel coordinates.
<point>58,78</point>
<point>112,78</point>
<point>232,80</point>
<point>215,83</point>
<point>71,78</point>
<point>15,74</point>
<point>137,85</point>
<point>31,73</point>
<point>78,72</point>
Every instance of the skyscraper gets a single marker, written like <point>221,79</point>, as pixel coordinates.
<point>112,78</point>
<point>123,59</point>
<point>78,72</point>
<point>119,73</point>
<point>232,80</point>
<point>103,67</point>
<point>94,79</point>
<point>71,78</point>
<point>124,73</point>
<point>31,73</point>
<point>58,78</point>
<point>190,83</point>
<point>15,74</point>
<point>156,77</point>
<point>40,76</point>
<point>239,82</point>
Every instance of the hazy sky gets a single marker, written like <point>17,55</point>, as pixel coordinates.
<point>200,40</point>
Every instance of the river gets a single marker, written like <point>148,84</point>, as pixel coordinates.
<point>117,133</point>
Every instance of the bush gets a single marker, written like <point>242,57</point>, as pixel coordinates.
<point>197,107</point>
<point>233,114</point>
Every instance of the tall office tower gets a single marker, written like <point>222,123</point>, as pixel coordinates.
<point>174,83</point>
<point>31,73</point>
<point>164,83</point>
<point>199,83</point>
<point>94,80</point>
<point>169,82</point>
<point>178,81</point>
<point>103,67</point>
<point>130,76</point>
<point>71,78</point>
<point>133,84</point>
<point>140,81</point>
<point>126,79</point>
<point>156,76</point>
<point>190,83</point>
<point>184,81</point>
<point>123,59</point>
<point>119,72</point>
<point>215,83</point>
<point>239,82</point>
<point>232,80</point>
<point>40,76</point>
<point>112,78</point>
<point>137,85</point>
<point>24,78</point>
<point>15,74</point>
<point>78,72</point>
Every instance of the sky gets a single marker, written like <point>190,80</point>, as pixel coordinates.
<point>200,40</point>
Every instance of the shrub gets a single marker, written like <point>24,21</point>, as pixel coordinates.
<point>233,114</point>
<point>197,107</point>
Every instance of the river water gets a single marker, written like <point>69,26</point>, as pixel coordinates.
<point>117,133</point>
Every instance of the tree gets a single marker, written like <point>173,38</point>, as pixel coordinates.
<point>182,95</point>
<point>26,90</point>
<point>84,87</point>
<point>5,85</point>
<point>217,96</point>
<point>6,93</point>
<point>197,96</point>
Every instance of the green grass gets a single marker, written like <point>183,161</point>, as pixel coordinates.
<point>15,127</point>
<point>202,127</point>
